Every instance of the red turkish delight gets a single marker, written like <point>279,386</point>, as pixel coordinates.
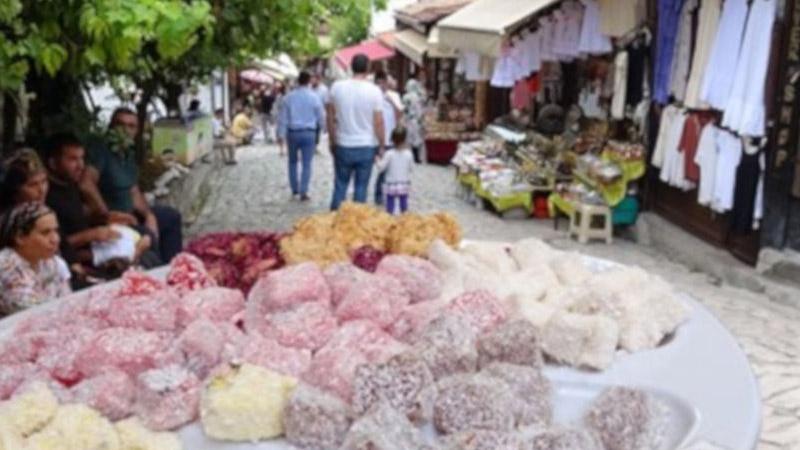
<point>112,393</point>
<point>482,309</point>
<point>187,273</point>
<point>422,280</point>
<point>377,298</point>
<point>268,353</point>
<point>285,288</point>
<point>216,304</point>
<point>167,398</point>
<point>58,356</point>
<point>306,326</point>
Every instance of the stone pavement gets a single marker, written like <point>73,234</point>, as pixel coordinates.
<point>254,195</point>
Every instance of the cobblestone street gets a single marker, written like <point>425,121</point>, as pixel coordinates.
<point>254,195</point>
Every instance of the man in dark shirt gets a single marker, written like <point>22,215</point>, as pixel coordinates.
<point>267,105</point>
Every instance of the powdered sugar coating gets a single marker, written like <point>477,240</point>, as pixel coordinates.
<point>315,420</point>
<point>131,351</point>
<point>532,394</point>
<point>306,326</point>
<point>473,401</point>
<point>447,345</point>
<point>514,342</point>
<point>153,312</point>
<point>268,353</point>
<point>565,439</point>
<point>405,382</point>
<point>627,419</point>
<point>377,298</point>
<point>484,440</point>
<point>285,288</point>
<point>167,398</point>
<point>215,303</point>
<point>383,428</point>
<point>421,279</point>
<point>187,273</point>
<point>481,308</point>
<point>111,393</point>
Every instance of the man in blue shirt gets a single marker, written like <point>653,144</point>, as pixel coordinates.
<point>300,115</point>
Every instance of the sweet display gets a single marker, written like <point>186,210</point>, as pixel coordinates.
<point>329,355</point>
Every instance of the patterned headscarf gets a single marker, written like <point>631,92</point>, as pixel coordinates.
<point>19,221</point>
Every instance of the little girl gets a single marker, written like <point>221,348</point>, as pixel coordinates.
<point>397,163</point>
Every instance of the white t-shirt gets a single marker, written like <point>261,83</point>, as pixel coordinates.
<point>322,92</point>
<point>391,104</point>
<point>355,102</point>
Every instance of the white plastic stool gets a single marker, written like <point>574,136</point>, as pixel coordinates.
<point>582,221</point>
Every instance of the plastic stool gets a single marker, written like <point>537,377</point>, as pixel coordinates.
<point>582,221</point>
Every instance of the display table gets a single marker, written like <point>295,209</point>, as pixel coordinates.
<point>701,374</point>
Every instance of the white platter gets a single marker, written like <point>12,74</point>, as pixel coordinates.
<point>701,374</point>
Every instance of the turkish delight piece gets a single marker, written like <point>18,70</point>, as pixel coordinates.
<point>447,345</point>
<point>245,404</point>
<point>473,402</point>
<point>414,318</point>
<point>532,393</point>
<point>581,340</point>
<point>383,428</point>
<point>167,398</point>
<point>514,342</point>
<point>152,312</point>
<point>29,411</point>
<point>405,382</point>
<point>112,393</point>
<point>378,298</point>
<point>570,268</point>
<point>481,309</point>
<point>532,253</point>
<point>201,343</point>
<point>13,375</point>
<point>306,326</point>
<point>627,419</point>
<point>495,256</point>
<point>131,351</point>
<point>58,357</point>
<point>76,427</point>
<point>215,303</point>
<point>187,273</point>
<point>535,312</point>
<point>341,277</point>
<point>564,438</point>
<point>315,420</point>
<point>285,288</point>
<point>135,283</point>
<point>268,353</point>
<point>421,279</point>
<point>484,440</point>
<point>133,435</point>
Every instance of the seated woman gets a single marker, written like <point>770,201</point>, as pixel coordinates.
<point>25,180</point>
<point>31,272</point>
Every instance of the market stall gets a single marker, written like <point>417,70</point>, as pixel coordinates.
<point>410,352</point>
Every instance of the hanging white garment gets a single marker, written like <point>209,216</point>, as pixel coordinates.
<point>620,85</point>
<point>546,41</point>
<point>474,66</point>
<point>706,160</point>
<point>592,41</point>
<point>569,18</point>
<point>683,51</point>
<point>668,116</point>
<point>729,154</point>
<point>525,54</point>
<point>533,50</point>
<point>672,169</point>
<point>589,101</point>
<point>758,209</point>
<point>720,70</point>
<point>504,71</point>
<point>745,111</point>
<point>708,22</point>
<point>517,61</point>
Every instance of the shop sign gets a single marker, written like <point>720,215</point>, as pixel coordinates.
<point>787,111</point>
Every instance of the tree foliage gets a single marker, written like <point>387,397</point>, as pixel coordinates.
<point>350,19</point>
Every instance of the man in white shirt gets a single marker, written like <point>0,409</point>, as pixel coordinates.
<point>392,117</point>
<point>356,129</point>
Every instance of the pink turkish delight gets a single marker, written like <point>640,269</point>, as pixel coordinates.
<point>58,357</point>
<point>421,279</point>
<point>414,318</point>
<point>473,401</point>
<point>256,349</point>
<point>377,298</point>
<point>515,342</point>
<point>215,303</point>
<point>135,283</point>
<point>112,393</point>
<point>285,288</point>
<point>447,345</point>
<point>482,309</point>
<point>12,376</point>
<point>153,312</point>
<point>306,326</point>
<point>167,398</point>
<point>202,343</point>
<point>531,403</point>
<point>132,351</point>
<point>341,277</point>
<point>187,273</point>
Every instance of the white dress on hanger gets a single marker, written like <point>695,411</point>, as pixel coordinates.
<point>706,160</point>
<point>729,154</point>
<point>668,116</point>
<point>620,85</point>
<point>745,111</point>
<point>683,51</point>
<point>592,41</point>
<point>708,22</point>
<point>720,69</point>
<point>672,169</point>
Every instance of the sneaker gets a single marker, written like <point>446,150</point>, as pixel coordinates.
<point>295,197</point>
<point>305,198</point>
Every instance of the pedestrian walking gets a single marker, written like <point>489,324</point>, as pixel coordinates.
<point>356,130</point>
<point>278,93</point>
<point>396,164</point>
<point>323,93</point>
<point>300,115</point>
<point>392,117</point>
<point>414,103</point>
<point>266,106</point>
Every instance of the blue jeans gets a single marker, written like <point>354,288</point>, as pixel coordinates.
<point>349,161</point>
<point>379,188</point>
<point>303,144</point>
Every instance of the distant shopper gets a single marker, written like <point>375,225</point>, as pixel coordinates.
<point>31,272</point>
<point>397,165</point>
<point>223,140</point>
<point>414,103</point>
<point>392,117</point>
<point>323,93</point>
<point>300,117</point>
<point>356,129</point>
<point>266,107</point>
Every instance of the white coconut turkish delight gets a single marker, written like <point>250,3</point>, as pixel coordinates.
<point>581,340</point>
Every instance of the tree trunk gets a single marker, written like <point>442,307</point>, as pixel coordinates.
<point>9,123</point>
<point>172,97</point>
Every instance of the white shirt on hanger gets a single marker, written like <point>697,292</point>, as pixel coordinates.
<point>673,167</point>
<point>729,154</point>
<point>706,160</point>
<point>620,85</point>
<point>592,41</point>
<point>720,69</point>
<point>683,51</point>
<point>668,116</point>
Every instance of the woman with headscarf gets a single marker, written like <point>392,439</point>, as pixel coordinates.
<point>31,272</point>
<point>414,104</point>
<point>24,180</point>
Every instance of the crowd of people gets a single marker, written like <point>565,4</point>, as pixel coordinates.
<point>72,215</point>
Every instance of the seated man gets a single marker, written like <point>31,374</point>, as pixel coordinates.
<point>223,140</point>
<point>242,127</point>
<point>110,185</point>
<point>78,228</point>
